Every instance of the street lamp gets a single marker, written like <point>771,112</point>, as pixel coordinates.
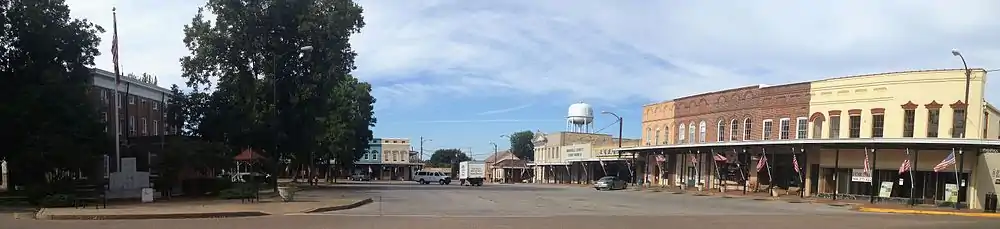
<point>620,125</point>
<point>494,159</point>
<point>274,101</point>
<point>965,118</point>
<point>422,140</point>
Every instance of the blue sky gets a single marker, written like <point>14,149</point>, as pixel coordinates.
<point>463,72</point>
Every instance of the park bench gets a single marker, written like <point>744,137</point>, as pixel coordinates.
<point>86,193</point>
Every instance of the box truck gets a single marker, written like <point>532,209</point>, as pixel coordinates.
<point>471,172</point>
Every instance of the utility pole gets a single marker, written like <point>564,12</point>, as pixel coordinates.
<point>422,140</point>
<point>494,159</point>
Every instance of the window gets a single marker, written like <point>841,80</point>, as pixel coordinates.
<point>656,136</point>
<point>155,127</point>
<point>680,134</point>
<point>131,125</point>
<point>801,128</point>
<point>143,122</point>
<point>721,131</point>
<point>156,106</point>
<point>854,127</point>
<point>878,125</point>
<point>702,128</point>
<point>747,127</point>
<point>131,99</point>
<point>691,136</point>
<point>666,134</point>
<point>734,130</point>
<point>933,119</point>
<point>649,135</point>
<point>784,126</point>
<point>104,119</point>
<point>986,125</point>
<point>766,128</point>
<point>835,127</point>
<point>104,96</point>
<point>818,129</point>
<point>365,157</point>
<point>909,117</point>
<point>958,123</point>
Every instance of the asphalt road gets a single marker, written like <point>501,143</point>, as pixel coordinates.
<point>408,205</point>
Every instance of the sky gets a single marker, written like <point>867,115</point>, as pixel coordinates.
<point>461,73</point>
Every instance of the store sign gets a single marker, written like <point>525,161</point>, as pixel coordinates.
<point>579,151</point>
<point>859,175</point>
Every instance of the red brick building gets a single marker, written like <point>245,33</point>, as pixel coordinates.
<point>142,109</point>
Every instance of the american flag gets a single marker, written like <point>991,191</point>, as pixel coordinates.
<point>905,166</point>
<point>719,157</point>
<point>660,158</point>
<point>948,161</point>
<point>867,169</point>
<point>762,162</point>
<point>694,159</point>
<point>795,163</point>
<point>114,48</point>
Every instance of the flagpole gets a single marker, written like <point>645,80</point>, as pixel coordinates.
<point>913,167</point>
<point>770,177</point>
<point>958,178</point>
<point>715,164</point>
<point>114,53</point>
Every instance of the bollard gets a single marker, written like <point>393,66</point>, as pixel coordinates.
<point>990,202</point>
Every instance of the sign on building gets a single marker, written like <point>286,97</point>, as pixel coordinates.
<point>859,175</point>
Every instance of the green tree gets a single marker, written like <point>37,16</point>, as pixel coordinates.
<point>521,145</point>
<point>49,124</point>
<point>447,157</point>
<point>267,95</point>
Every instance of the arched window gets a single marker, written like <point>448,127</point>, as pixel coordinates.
<point>656,137</point>
<point>702,128</point>
<point>680,133</point>
<point>747,127</point>
<point>649,135</point>
<point>691,131</point>
<point>734,132</point>
<point>721,131</point>
<point>666,134</point>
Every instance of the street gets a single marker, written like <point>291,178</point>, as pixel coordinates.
<point>409,205</point>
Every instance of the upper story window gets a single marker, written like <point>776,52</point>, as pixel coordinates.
<point>855,126</point>
<point>835,127</point>
<point>801,128</point>
<point>958,119</point>
<point>878,123</point>
<point>784,127</point>
<point>656,136</point>
<point>131,99</point>
<point>649,136</point>
<point>720,131</point>
<point>156,106</point>
<point>734,130</point>
<point>691,134</point>
<point>747,127</point>
<point>909,118</point>
<point>680,133</point>
<point>666,134</point>
<point>702,128</point>
<point>766,128</point>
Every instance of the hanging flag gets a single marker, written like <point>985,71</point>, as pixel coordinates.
<point>795,163</point>
<point>694,159</point>
<point>660,158</point>
<point>762,162</point>
<point>905,166</point>
<point>114,47</point>
<point>719,157</point>
<point>867,169</point>
<point>948,161</point>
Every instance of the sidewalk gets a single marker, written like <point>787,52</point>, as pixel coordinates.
<point>922,210</point>
<point>305,202</point>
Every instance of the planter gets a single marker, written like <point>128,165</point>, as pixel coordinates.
<point>722,189</point>
<point>287,193</point>
<point>774,192</point>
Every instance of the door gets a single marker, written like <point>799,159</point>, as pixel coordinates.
<point>692,176</point>
<point>813,179</point>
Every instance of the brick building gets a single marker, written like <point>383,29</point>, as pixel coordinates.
<point>831,128</point>
<point>142,110</point>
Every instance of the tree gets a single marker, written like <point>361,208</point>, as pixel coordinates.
<point>521,145</point>
<point>49,124</point>
<point>267,95</point>
<point>447,157</point>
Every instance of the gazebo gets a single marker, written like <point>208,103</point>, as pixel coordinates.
<point>248,157</point>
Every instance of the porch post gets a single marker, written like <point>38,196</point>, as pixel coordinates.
<point>683,168</point>
<point>916,156</point>
<point>801,172</point>
<point>836,173</point>
<point>746,177</point>
<point>958,173</point>
<point>871,196</point>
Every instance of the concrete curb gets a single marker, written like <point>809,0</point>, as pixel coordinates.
<point>340,207</point>
<point>926,212</point>
<point>41,215</point>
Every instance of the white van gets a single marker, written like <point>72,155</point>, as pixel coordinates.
<point>426,177</point>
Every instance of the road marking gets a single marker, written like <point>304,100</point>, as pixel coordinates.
<point>420,216</point>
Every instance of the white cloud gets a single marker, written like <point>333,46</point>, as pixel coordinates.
<point>504,110</point>
<point>653,50</point>
<point>421,51</point>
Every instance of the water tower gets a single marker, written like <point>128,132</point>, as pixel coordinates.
<point>580,118</point>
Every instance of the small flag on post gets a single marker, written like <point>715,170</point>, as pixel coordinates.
<point>762,162</point>
<point>693,159</point>
<point>905,166</point>
<point>948,161</point>
<point>795,163</point>
<point>867,169</point>
<point>660,158</point>
<point>719,157</point>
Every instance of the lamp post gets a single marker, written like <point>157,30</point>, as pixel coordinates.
<point>965,119</point>
<point>620,125</point>
<point>494,159</point>
<point>274,103</point>
<point>422,140</point>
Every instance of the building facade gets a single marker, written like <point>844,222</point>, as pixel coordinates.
<point>142,111</point>
<point>387,159</point>
<point>571,157</point>
<point>831,127</point>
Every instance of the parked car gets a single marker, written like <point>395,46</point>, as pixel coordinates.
<point>610,183</point>
<point>360,177</point>
<point>426,177</point>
